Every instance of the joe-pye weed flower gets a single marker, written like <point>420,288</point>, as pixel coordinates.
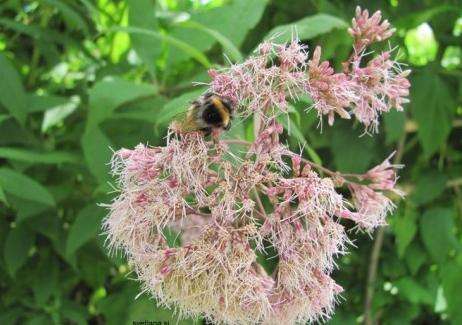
<point>226,211</point>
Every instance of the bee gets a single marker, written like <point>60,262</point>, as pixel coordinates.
<point>209,112</point>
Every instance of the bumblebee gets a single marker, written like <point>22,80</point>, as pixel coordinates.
<point>209,112</point>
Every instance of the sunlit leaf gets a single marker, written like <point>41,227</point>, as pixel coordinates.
<point>223,20</point>
<point>306,28</point>
<point>175,42</point>
<point>421,44</point>
<point>57,114</point>
<point>142,14</point>
<point>230,49</point>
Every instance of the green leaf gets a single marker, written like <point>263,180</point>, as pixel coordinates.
<point>230,49</point>
<point>71,17</point>
<point>351,152</point>
<point>452,282</point>
<point>24,187</point>
<point>85,227</point>
<point>144,308</point>
<point>306,28</point>
<point>222,20</point>
<point>39,319</point>
<point>55,115</point>
<point>40,103</point>
<point>294,130</point>
<point>394,126</point>
<point>53,157</point>
<point>12,94</point>
<point>46,278</point>
<point>405,228</point>
<point>433,114</point>
<point>177,106</point>
<point>142,14</point>
<point>415,18</point>
<point>18,243</point>
<point>11,315</point>
<point>96,149</point>
<point>147,110</point>
<point>4,117</point>
<point>3,196</point>
<point>429,186</point>
<point>437,231</point>
<point>175,42</point>
<point>75,312</point>
<point>111,93</point>
<point>26,208</point>
<point>414,292</point>
<point>415,257</point>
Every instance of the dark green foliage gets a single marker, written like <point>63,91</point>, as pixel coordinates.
<point>81,77</point>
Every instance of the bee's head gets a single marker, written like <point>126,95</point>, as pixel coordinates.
<point>225,101</point>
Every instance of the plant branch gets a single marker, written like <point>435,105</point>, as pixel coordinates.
<point>260,205</point>
<point>372,276</point>
<point>376,249</point>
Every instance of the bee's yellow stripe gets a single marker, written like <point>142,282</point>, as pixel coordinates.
<point>222,110</point>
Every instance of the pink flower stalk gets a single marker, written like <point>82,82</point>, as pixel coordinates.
<point>366,30</point>
<point>372,207</point>
<point>383,177</point>
<point>379,86</point>
<point>331,92</point>
<point>254,85</point>
<point>224,211</point>
<point>257,85</point>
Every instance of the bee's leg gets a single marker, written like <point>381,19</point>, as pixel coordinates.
<point>227,127</point>
<point>206,131</point>
<point>215,135</point>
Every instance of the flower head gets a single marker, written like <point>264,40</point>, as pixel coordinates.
<point>226,211</point>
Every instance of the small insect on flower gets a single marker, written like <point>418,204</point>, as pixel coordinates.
<point>208,113</point>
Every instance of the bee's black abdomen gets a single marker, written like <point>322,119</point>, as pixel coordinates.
<point>212,116</point>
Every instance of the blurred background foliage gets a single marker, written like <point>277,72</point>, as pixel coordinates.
<point>80,77</point>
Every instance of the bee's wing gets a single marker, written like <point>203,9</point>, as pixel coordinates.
<point>188,121</point>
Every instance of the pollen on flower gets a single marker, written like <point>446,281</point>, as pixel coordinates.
<point>226,211</point>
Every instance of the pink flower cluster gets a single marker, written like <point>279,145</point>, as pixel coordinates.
<point>363,90</point>
<point>227,211</point>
